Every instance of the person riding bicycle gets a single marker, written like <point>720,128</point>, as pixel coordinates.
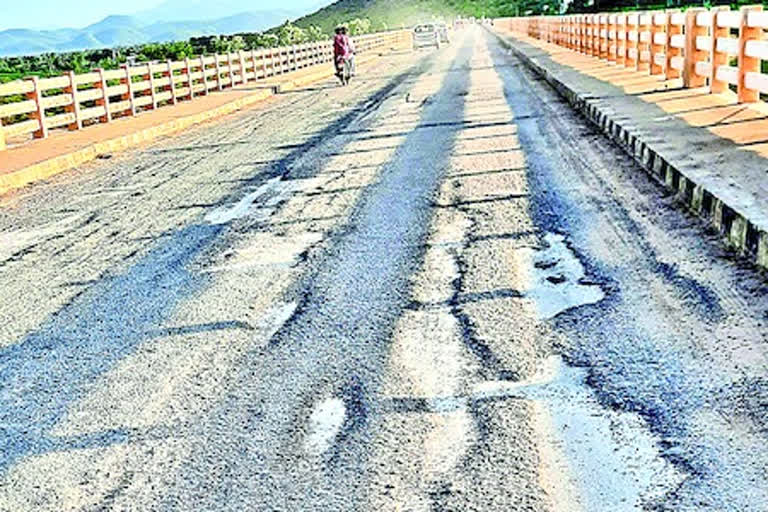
<point>343,55</point>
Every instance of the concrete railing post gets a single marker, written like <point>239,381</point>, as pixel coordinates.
<point>597,37</point>
<point>659,38</point>
<point>264,63</point>
<point>230,71</point>
<point>672,52</point>
<point>551,34</point>
<point>717,57</point>
<point>555,28</point>
<point>611,38</point>
<point>577,33</point>
<point>187,71</point>
<point>644,41</point>
<point>171,81</point>
<point>272,62</point>
<point>255,65</point>
<point>633,40</point>
<point>128,95</point>
<point>243,70</point>
<point>692,54</point>
<point>74,108</point>
<point>596,40</point>
<point>561,27</point>
<point>36,95</point>
<point>604,36</point>
<point>574,24</point>
<point>562,36</point>
<point>104,100</point>
<point>748,64</point>
<point>217,61</point>
<point>152,87</point>
<point>204,72</point>
<point>621,40</point>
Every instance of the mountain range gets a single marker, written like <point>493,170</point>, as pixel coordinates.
<point>174,20</point>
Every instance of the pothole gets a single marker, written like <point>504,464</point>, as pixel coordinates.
<point>609,458</point>
<point>325,423</point>
<point>245,206</point>
<point>556,279</point>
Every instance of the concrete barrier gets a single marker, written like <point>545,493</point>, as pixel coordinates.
<point>700,45</point>
<point>35,106</point>
<point>49,161</point>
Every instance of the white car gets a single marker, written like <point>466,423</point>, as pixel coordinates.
<point>426,35</point>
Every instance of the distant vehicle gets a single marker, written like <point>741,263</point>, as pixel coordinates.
<point>425,36</point>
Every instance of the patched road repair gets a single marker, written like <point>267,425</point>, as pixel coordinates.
<point>435,289</point>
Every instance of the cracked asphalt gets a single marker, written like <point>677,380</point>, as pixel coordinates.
<point>436,289</point>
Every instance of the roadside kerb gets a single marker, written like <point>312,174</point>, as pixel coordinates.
<point>741,220</point>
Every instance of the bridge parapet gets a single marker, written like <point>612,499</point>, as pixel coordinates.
<point>35,106</point>
<point>719,49</point>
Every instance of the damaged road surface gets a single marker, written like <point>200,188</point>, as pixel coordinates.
<point>436,289</point>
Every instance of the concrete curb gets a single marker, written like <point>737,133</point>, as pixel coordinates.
<point>739,232</point>
<point>53,166</point>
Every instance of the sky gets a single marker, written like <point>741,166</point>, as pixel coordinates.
<point>48,14</point>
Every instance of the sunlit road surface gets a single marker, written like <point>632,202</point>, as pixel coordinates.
<point>437,289</point>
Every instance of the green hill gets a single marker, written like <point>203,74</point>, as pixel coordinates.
<point>396,13</point>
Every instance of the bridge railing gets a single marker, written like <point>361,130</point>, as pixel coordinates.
<point>35,106</point>
<point>718,49</point>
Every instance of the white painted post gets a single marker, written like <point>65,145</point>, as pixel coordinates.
<point>255,66</point>
<point>37,96</point>
<point>229,70</point>
<point>104,101</point>
<point>75,107</point>
<point>188,71</point>
<point>692,54</point>
<point>748,64</point>
<point>171,81</point>
<point>151,77</point>
<point>129,85</point>
<point>263,63</point>
<point>219,85</point>
<point>243,76</point>
<point>717,58</point>
<point>205,74</point>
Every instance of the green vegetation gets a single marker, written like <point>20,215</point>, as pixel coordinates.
<point>384,14</point>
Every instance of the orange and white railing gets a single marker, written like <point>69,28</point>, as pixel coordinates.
<point>35,106</point>
<point>718,48</point>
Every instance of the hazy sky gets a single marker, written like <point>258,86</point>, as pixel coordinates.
<point>39,14</point>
